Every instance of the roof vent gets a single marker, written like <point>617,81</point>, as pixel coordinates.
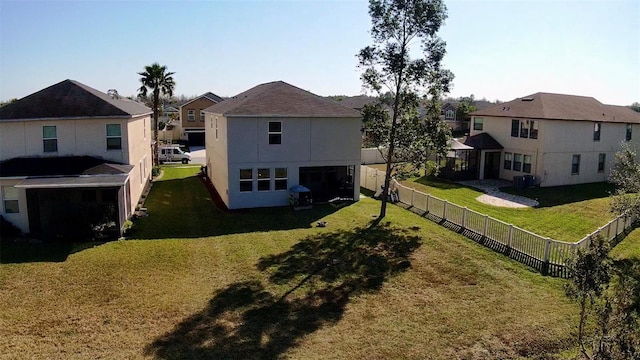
<point>506,108</point>
<point>527,99</point>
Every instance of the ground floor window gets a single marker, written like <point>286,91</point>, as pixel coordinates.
<point>507,161</point>
<point>264,179</point>
<point>526,166</point>
<point>517,162</point>
<point>575,165</point>
<point>281,179</point>
<point>246,180</point>
<point>601,161</point>
<point>10,200</point>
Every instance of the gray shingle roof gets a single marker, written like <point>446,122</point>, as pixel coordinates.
<point>60,166</point>
<point>561,107</point>
<point>281,99</point>
<point>71,99</point>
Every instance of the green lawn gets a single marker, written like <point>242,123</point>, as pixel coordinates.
<point>566,213</point>
<point>269,284</point>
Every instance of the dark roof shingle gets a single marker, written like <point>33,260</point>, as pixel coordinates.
<point>60,166</point>
<point>561,107</point>
<point>281,99</point>
<point>71,99</point>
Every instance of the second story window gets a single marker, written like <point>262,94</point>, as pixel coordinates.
<point>524,129</point>
<point>477,124</point>
<point>275,132</point>
<point>597,127</point>
<point>49,139</point>
<point>191,115</point>
<point>201,115</point>
<point>515,128</point>
<point>449,114</point>
<point>533,129</point>
<point>114,137</point>
<point>628,134</point>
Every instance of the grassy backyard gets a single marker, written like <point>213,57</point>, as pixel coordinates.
<point>565,213</point>
<point>269,284</point>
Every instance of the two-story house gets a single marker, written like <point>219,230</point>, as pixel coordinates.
<point>275,136</point>
<point>558,139</point>
<point>192,117</point>
<point>72,157</point>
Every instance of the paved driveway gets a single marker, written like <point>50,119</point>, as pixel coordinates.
<point>198,155</point>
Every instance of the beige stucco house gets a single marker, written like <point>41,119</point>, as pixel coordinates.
<point>552,139</point>
<point>192,117</point>
<point>70,153</point>
<point>274,137</point>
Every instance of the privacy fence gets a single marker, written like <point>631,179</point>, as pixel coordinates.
<point>547,255</point>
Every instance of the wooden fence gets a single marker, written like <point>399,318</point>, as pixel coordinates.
<point>547,255</point>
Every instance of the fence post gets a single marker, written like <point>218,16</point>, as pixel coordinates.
<point>444,211</point>
<point>486,226</point>
<point>547,257</point>
<point>464,217</point>
<point>413,192</point>
<point>510,238</point>
<point>617,225</point>
<point>428,203</point>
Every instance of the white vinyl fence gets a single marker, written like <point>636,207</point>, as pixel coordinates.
<point>542,253</point>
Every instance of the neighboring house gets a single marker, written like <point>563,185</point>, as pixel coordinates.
<point>192,117</point>
<point>357,102</point>
<point>448,115</point>
<point>557,139</point>
<point>173,128</point>
<point>70,157</point>
<point>274,137</point>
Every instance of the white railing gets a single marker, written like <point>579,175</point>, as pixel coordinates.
<point>543,253</point>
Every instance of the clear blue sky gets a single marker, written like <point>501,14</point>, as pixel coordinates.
<point>496,49</point>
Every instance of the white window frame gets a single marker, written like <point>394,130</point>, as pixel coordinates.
<point>191,115</point>
<point>518,163</point>
<point>597,131</point>
<point>574,163</point>
<point>280,179</point>
<point>201,115</point>
<point>510,160</point>
<point>628,132</point>
<point>602,162</point>
<point>275,132</point>
<point>7,198</point>
<point>114,136</point>
<point>526,160</point>
<point>45,139</point>
<point>262,179</point>
<point>245,180</point>
<point>478,121</point>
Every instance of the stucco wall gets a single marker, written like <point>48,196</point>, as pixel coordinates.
<point>216,154</point>
<point>139,154</point>
<point>20,219</point>
<point>196,105</point>
<point>558,141</point>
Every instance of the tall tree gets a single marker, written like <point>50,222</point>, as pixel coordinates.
<point>466,105</point>
<point>399,29</point>
<point>626,175</point>
<point>635,106</point>
<point>157,80</point>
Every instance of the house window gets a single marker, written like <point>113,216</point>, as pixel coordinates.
<point>602,158</point>
<point>275,132</point>
<point>191,115</point>
<point>264,179</point>
<point>596,131</point>
<point>515,128</point>
<point>216,121</point>
<point>450,114</point>
<point>507,161</point>
<point>114,137</point>
<point>524,129</point>
<point>246,180</point>
<point>202,115</point>
<point>533,129</point>
<point>526,166</point>
<point>628,135</point>
<point>49,139</point>
<point>10,200</point>
<point>517,162</point>
<point>477,124</point>
<point>575,165</point>
<point>281,179</point>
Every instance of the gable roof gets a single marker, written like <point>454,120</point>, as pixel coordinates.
<point>483,141</point>
<point>71,99</point>
<point>357,102</point>
<point>208,95</point>
<point>561,107</point>
<point>281,99</point>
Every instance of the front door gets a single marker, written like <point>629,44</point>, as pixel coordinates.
<point>492,165</point>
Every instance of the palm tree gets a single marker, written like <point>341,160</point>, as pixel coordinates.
<point>156,80</point>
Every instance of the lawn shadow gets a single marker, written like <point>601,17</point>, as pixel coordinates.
<point>439,183</point>
<point>308,287</point>
<point>15,252</point>
<point>562,195</point>
<point>189,208</point>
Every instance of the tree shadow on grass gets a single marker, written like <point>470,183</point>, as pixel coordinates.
<point>308,287</point>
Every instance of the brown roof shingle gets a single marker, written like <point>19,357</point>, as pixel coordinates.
<point>561,107</point>
<point>70,99</point>
<point>280,99</point>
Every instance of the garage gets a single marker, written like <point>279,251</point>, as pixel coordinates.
<point>195,138</point>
